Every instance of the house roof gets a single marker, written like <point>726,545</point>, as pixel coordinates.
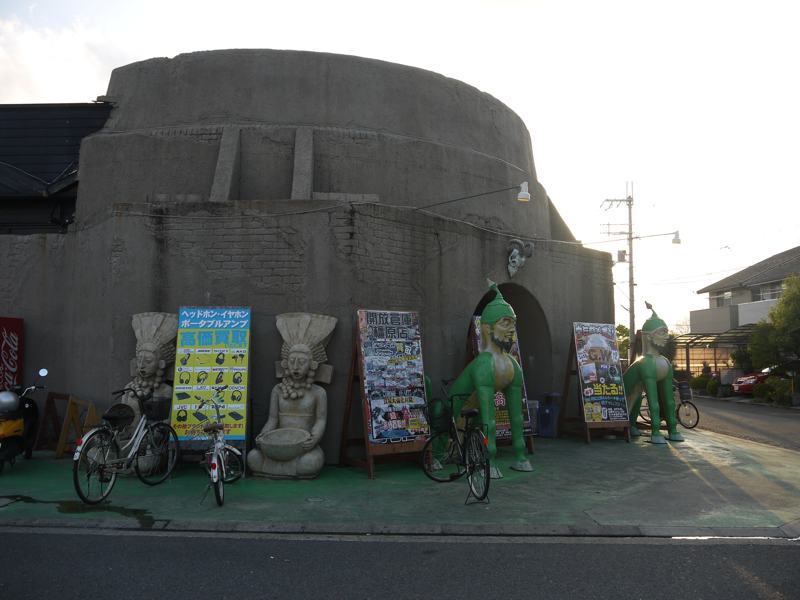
<point>39,145</point>
<point>774,268</point>
<point>733,337</point>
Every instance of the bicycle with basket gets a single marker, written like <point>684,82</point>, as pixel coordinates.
<point>685,410</point>
<point>152,450</point>
<point>452,452</point>
<point>223,462</point>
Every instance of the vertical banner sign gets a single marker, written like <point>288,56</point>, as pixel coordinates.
<point>500,404</point>
<point>213,350</point>
<point>600,373</point>
<point>11,337</point>
<point>393,380</point>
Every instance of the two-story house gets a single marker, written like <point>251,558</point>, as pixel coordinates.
<point>735,304</point>
<point>745,297</point>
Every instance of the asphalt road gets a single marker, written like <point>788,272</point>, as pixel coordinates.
<point>112,564</point>
<point>759,423</point>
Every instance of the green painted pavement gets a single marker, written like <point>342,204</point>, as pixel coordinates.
<point>710,482</point>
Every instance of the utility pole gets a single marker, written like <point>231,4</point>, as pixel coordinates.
<point>676,239</point>
<point>632,304</point>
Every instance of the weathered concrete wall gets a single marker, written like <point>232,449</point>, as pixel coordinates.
<point>184,201</point>
<point>325,90</point>
<point>405,134</point>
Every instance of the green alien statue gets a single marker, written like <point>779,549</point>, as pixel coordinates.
<point>493,370</point>
<point>652,373</point>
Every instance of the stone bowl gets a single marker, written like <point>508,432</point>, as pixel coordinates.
<point>285,444</point>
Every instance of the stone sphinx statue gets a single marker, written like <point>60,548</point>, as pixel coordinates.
<point>288,445</point>
<point>651,374</point>
<point>155,351</point>
<point>493,370</point>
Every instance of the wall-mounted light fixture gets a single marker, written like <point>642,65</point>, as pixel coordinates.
<point>523,195</point>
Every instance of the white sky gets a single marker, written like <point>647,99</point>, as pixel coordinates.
<point>697,102</point>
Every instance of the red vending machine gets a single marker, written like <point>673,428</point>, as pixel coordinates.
<point>11,352</point>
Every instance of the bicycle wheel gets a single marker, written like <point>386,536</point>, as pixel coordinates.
<point>219,491</point>
<point>478,468</point>
<point>644,410</point>
<point>94,472</point>
<point>157,454</point>
<point>234,464</point>
<point>441,458</point>
<point>688,415</point>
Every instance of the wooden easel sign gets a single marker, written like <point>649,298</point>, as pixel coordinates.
<point>387,357</point>
<point>599,374</point>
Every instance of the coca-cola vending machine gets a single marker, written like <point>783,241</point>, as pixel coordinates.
<point>11,337</point>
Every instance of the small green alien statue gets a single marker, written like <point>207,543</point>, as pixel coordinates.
<point>493,370</point>
<point>652,373</point>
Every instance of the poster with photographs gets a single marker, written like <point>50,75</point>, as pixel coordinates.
<point>600,373</point>
<point>211,363</point>
<point>393,381</point>
<point>500,404</point>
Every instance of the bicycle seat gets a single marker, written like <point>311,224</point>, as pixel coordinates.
<point>119,416</point>
<point>211,427</point>
<point>468,413</point>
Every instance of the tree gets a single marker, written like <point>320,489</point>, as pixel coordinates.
<point>742,360</point>
<point>785,316</point>
<point>623,340</point>
<point>778,340</point>
<point>671,347</point>
<point>763,346</point>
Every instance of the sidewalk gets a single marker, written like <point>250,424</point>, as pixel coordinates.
<point>709,485</point>
<point>742,399</point>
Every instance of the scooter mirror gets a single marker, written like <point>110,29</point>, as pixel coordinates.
<point>43,372</point>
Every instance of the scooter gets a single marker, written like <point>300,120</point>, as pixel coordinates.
<point>19,421</point>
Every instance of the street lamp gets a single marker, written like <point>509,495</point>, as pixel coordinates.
<point>676,239</point>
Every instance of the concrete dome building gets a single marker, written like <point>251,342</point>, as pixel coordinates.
<point>298,181</point>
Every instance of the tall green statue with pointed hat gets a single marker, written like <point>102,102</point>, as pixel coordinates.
<point>493,370</point>
<point>652,373</point>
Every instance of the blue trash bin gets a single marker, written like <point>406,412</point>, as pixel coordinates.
<point>548,415</point>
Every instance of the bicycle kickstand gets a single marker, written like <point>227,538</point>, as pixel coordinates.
<point>203,499</point>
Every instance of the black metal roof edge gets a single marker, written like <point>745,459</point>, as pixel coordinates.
<point>54,104</point>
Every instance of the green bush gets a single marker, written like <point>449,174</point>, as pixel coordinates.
<point>700,382</point>
<point>761,390</point>
<point>780,391</point>
<point>712,386</point>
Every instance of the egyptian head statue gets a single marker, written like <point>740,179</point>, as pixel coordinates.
<point>304,335</point>
<point>155,350</point>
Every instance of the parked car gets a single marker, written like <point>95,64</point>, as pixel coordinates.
<point>746,383</point>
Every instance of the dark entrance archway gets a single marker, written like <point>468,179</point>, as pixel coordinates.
<point>535,344</point>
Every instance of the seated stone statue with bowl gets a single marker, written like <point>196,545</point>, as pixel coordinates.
<point>288,445</point>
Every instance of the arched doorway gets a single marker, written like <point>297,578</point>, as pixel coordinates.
<point>534,337</point>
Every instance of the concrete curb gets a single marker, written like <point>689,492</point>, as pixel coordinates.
<point>787,531</point>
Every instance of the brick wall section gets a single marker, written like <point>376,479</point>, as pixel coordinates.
<point>203,134</point>
<point>270,255</point>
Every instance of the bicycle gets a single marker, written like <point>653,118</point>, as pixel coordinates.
<point>153,448</point>
<point>685,411</point>
<point>223,462</point>
<point>452,452</point>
